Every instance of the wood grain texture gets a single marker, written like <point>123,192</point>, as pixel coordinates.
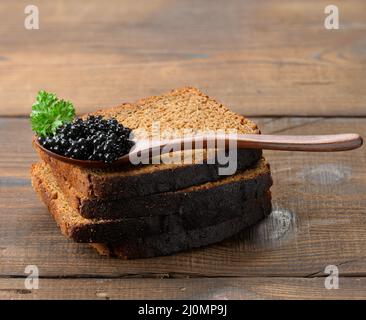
<point>259,57</point>
<point>267,58</point>
<point>319,218</point>
<point>199,288</point>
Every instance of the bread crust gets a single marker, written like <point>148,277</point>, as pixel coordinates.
<point>140,183</point>
<point>169,243</point>
<point>81,229</point>
<point>244,185</point>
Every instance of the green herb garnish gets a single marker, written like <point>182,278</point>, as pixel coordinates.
<point>49,113</point>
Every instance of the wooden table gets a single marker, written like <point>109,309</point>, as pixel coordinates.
<point>271,60</point>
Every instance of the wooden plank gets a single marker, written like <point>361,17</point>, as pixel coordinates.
<point>259,57</point>
<point>200,288</point>
<point>318,219</point>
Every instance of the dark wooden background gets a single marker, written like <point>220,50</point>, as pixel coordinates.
<point>271,60</point>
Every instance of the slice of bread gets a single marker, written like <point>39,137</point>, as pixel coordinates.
<point>176,112</point>
<point>210,196</point>
<point>81,229</point>
<point>168,243</point>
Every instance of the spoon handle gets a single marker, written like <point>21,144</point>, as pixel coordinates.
<point>319,143</point>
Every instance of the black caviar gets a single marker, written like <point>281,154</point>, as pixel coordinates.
<point>92,139</point>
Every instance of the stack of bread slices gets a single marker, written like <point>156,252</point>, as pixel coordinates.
<point>146,210</point>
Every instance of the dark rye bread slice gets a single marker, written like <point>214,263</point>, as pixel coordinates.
<point>208,197</point>
<point>73,225</point>
<point>138,181</point>
<point>169,243</point>
<point>179,112</point>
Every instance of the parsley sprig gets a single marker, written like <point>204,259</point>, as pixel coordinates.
<point>49,113</point>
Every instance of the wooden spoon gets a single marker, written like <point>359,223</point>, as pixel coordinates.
<point>320,143</point>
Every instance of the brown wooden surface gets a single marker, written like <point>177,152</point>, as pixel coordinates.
<point>319,218</point>
<point>260,57</point>
<point>267,58</point>
<point>197,288</point>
